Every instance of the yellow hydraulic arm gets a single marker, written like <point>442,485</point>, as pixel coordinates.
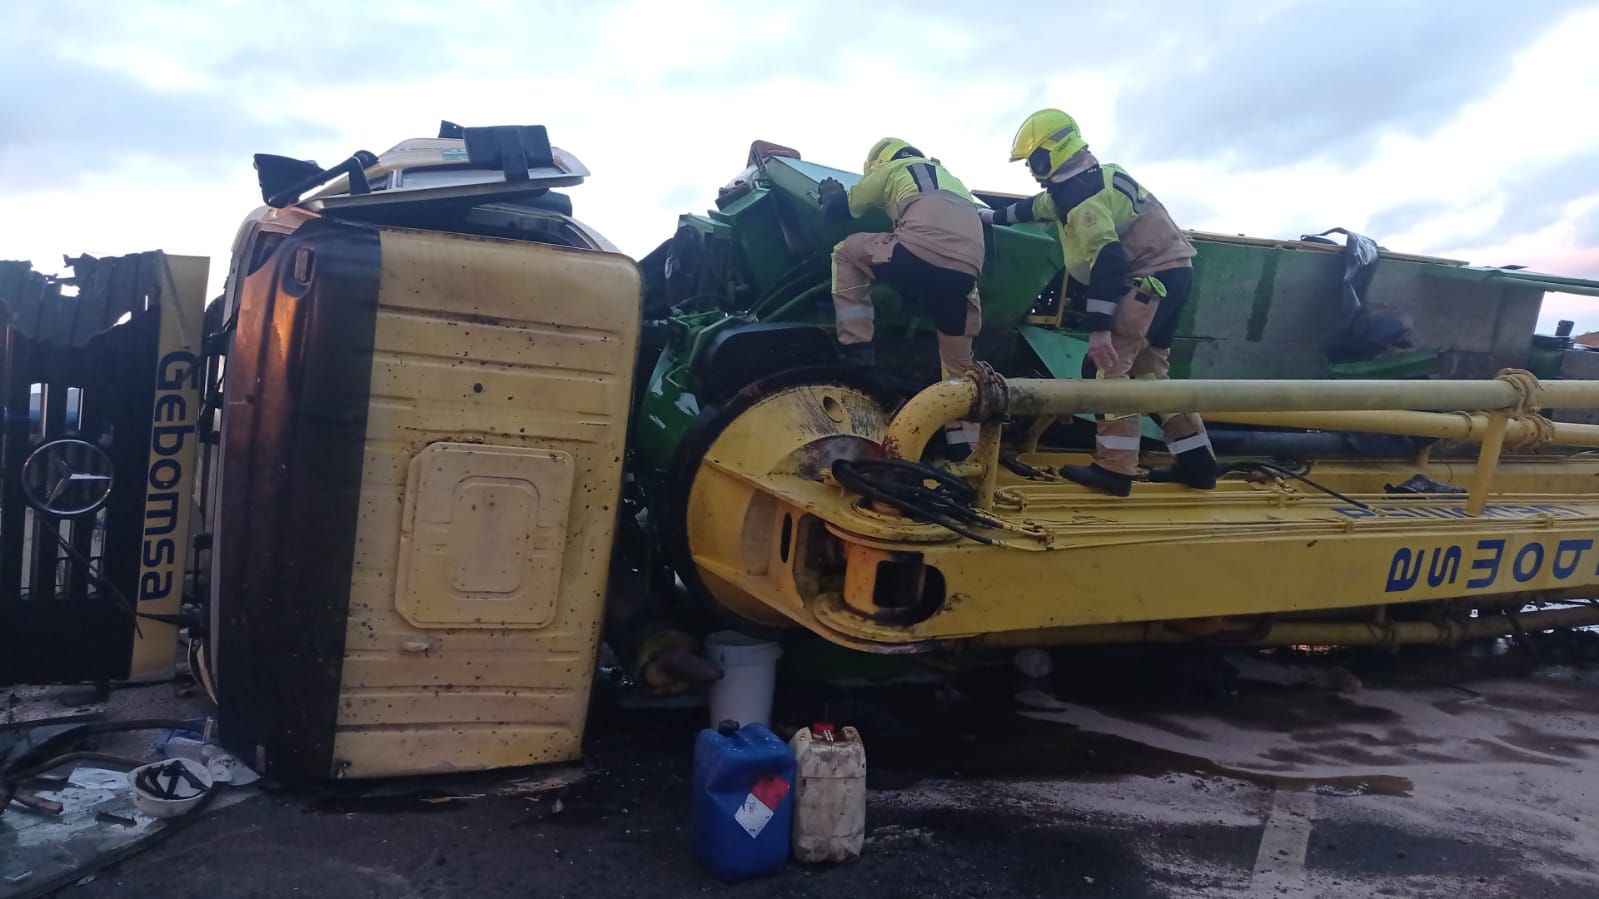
<point>775,538</point>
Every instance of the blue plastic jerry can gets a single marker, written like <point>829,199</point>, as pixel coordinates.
<point>743,800</point>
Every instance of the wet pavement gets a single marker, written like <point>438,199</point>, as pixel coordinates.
<point>1442,775</point>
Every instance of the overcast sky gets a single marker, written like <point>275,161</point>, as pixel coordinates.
<point>1466,129</point>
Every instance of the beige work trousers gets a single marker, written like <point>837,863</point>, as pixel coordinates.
<point>853,260</point>
<point>1116,443</point>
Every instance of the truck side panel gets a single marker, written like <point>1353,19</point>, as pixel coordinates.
<point>493,421</point>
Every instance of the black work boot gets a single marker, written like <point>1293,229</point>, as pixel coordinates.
<point>1195,468</point>
<point>1114,483</point>
<point>858,355</point>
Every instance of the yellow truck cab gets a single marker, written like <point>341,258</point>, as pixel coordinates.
<point>424,410</point>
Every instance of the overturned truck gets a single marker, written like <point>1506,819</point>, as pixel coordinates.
<point>446,411</point>
<point>793,495</point>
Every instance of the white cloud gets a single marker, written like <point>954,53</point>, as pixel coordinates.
<point>662,100</point>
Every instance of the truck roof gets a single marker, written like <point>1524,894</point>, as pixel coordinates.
<point>440,168</point>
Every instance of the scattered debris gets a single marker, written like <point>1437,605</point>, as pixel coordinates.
<point>97,779</point>
<point>896,836</point>
<point>223,767</point>
<point>456,797</point>
<point>74,808</point>
<point>34,803</point>
<point>1317,677</point>
<point>544,782</point>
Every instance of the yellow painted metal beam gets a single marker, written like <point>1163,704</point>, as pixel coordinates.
<point>1042,396</point>
<point>949,401</point>
<point>1482,477</point>
<point>1463,426</point>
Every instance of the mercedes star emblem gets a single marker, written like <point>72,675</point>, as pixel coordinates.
<point>67,478</point>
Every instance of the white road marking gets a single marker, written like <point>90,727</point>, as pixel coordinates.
<point>1280,863</point>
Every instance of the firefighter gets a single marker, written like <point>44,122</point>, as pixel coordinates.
<point>933,257</point>
<point>1120,242</point>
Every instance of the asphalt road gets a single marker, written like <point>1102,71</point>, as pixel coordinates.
<point>1440,777</point>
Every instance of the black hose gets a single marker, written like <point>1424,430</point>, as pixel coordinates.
<point>1022,469</point>
<point>27,774</point>
<point>1314,445</point>
<point>902,484</point>
<point>1300,472</point>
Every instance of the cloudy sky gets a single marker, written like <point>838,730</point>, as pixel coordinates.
<point>1469,129</point>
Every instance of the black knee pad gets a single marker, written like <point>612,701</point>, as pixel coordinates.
<point>949,313</point>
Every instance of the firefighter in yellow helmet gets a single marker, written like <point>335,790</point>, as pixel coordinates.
<point>933,257</point>
<point>1137,265</point>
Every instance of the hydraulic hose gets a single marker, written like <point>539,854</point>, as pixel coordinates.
<point>903,485</point>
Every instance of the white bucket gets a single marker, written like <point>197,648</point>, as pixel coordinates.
<point>749,675</point>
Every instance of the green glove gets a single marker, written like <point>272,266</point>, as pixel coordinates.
<point>1150,285</point>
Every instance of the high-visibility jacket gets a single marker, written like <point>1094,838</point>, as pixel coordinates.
<point>1113,232</point>
<point>934,215</point>
<point>897,180</point>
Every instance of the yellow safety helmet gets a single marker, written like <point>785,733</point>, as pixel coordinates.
<point>886,149</point>
<point>1046,140</point>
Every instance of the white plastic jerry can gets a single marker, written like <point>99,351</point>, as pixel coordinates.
<point>829,794</point>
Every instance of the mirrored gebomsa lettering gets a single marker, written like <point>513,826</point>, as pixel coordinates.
<point>1487,563</point>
